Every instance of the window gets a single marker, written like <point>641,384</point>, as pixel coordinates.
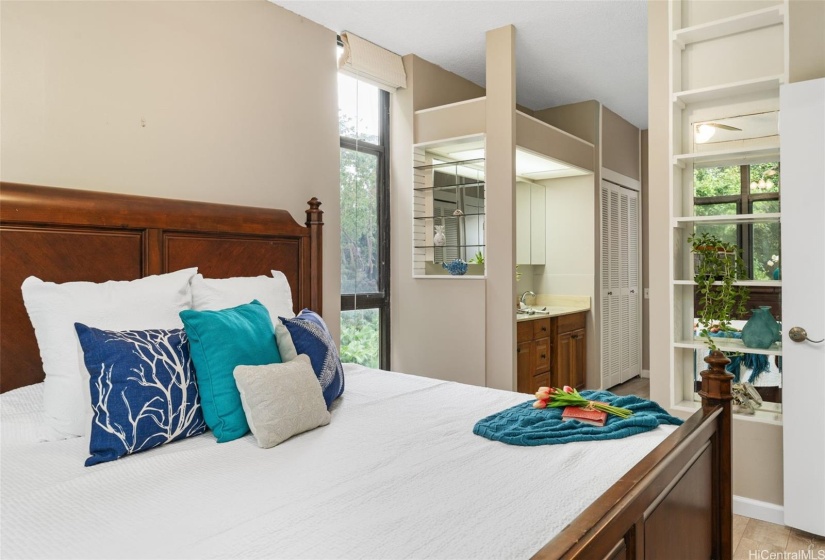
<point>363,122</point>
<point>742,189</point>
<point>747,189</point>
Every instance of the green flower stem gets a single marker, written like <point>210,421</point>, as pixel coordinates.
<point>561,398</point>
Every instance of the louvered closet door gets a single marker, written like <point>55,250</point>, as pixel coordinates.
<point>620,294</point>
<point>611,310</point>
<point>631,304</point>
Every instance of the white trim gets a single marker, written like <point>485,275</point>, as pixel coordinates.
<point>450,277</point>
<point>453,139</point>
<point>440,107</point>
<point>755,509</point>
<point>645,374</point>
<point>621,180</point>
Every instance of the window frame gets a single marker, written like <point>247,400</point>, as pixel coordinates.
<point>381,299</point>
<point>744,205</point>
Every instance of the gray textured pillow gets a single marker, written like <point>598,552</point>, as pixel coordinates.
<point>281,400</point>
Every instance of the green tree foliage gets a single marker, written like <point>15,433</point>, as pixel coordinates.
<point>359,222</point>
<point>726,181</point>
<point>359,337</point>
<point>716,181</point>
<point>359,248</point>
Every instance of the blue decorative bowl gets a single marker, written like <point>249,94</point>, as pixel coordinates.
<point>456,267</point>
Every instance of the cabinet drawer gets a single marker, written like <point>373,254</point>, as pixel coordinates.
<point>524,331</point>
<point>571,322</point>
<point>541,328</point>
<point>541,380</point>
<point>542,363</point>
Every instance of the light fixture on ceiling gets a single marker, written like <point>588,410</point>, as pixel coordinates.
<point>764,184</point>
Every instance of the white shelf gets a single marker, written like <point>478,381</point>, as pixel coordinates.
<point>740,155</point>
<point>729,26</point>
<point>728,219</point>
<point>748,283</point>
<point>729,345</point>
<point>761,415</point>
<point>766,83</point>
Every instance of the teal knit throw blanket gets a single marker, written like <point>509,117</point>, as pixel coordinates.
<point>525,425</point>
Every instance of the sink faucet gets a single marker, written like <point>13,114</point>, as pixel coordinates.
<point>525,294</point>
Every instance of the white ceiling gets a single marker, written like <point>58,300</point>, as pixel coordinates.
<point>566,50</point>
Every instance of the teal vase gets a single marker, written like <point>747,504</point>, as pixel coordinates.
<point>761,330</point>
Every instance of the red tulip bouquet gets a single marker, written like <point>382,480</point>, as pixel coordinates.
<point>555,397</point>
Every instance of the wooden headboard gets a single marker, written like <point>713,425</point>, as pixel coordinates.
<point>63,235</point>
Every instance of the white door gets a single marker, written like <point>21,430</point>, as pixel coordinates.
<point>802,158</point>
<point>621,332</point>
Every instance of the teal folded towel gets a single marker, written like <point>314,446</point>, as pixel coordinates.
<point>525,425</point>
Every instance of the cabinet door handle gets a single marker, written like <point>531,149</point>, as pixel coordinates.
<point>544,329</point>
<point>610,293</point>
<point>632,291</point>
<point>543,356</point>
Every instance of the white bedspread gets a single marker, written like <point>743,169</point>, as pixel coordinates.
<point>398,473</point>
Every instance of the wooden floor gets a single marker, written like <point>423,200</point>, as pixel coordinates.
<point>752,538</point>
<point>639,386</point>
<point>759,539</point>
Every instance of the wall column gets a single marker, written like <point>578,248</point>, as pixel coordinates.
<point>500,167</point>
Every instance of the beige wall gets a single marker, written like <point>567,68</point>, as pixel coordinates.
<point>500,192</point>
<point>231,102</point>
<point>659,109</point>
<point>438,325</point>
<point>571,256</point>
<point>645,253</point>
<point>619,145</point>
<point>437,86</point>
<point>579,119</point>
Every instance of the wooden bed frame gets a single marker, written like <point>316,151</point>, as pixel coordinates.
<point>675,503</point>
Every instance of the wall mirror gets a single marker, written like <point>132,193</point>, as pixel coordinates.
<point>718,133</point>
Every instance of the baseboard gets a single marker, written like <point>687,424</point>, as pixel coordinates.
<point>764,511</point>
<point>645,374</point>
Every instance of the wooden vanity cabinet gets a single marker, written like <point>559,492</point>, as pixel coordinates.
<point>551,352</point>
<point>570,350</point>
<point>533,355</point>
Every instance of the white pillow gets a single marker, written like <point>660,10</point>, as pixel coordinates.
<point>281,400</point>
<point>147,303</point>
<point>214,294</point>
<point>286,348</point>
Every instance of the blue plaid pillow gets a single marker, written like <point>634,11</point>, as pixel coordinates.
<point>143,390</point>
<point>311,337</point>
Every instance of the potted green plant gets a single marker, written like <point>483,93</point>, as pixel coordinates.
<point>718,265</point>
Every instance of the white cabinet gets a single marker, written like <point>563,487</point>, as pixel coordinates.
<point>621,332</point>
<point>531,217</point>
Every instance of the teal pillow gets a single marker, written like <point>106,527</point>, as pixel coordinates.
<point>219,341</point>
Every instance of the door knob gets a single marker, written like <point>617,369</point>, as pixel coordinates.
<point>798,334</point>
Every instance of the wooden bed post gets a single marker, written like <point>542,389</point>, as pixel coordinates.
<point>315,221</point>
<point>716,391</point>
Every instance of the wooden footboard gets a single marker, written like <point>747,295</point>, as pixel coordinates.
<point>675,503</point>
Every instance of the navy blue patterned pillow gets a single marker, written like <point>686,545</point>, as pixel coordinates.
<point>311,337</point>
<point>143,390</point>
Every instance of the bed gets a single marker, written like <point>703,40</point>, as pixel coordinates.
<point>397,473</point>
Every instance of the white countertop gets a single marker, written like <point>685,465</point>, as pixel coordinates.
<point>556,306</point>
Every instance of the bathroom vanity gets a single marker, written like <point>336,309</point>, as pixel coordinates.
<point>552,347</point>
